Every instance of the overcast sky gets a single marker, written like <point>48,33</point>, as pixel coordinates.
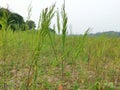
<point>99,15</point>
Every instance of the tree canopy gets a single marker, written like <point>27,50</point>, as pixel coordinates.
<point>30,24</point>
<point>14,21</point>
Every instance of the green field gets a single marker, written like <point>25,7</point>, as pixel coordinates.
<point>43,60</point>
<point>28,61</point>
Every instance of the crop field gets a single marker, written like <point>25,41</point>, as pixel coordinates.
<point>43,60</point>
<point>29,61</point>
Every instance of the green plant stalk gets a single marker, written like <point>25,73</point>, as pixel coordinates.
<point>47,16</point>
<point>34,62</point>
<point>36,68</point>
<point>81,44</point>
<point>4,58</point>
<point>29,12</point>
<point>31,65</point>
<point>58,21</point>
<point>44,22</point>
<point>64,29</point>
<point>52,44</point>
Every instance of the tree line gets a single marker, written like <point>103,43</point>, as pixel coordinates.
<point>14,21</point>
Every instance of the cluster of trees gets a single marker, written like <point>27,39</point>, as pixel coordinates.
<point>14,21</point>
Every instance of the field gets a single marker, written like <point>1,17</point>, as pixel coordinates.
<point>31,61</point>
<point>43,60</point>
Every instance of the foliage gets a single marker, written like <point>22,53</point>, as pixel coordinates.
<point>4,16</point>
<point>18,50</point>
<point>108,34</point>
<point>12,20</point>
<point>35,60</point>
<point>16,22</point>
<point>30,25</point>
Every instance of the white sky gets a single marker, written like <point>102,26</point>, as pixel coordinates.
<point>100,15</point>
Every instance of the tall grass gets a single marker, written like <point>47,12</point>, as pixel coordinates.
<point>34,60</point>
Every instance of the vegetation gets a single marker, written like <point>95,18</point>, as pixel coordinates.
<point>30,25</point>
<point>39,60</point>
<point>108,34</point>
<point>9,20</point>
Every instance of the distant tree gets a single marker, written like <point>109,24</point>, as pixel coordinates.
<point>1,14</point>
<point>30,25</point>
<point>4,11</point>
<point>107,33</point>
<point>12,20</point>
<point>16,21</point>
<point>4,15</point>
